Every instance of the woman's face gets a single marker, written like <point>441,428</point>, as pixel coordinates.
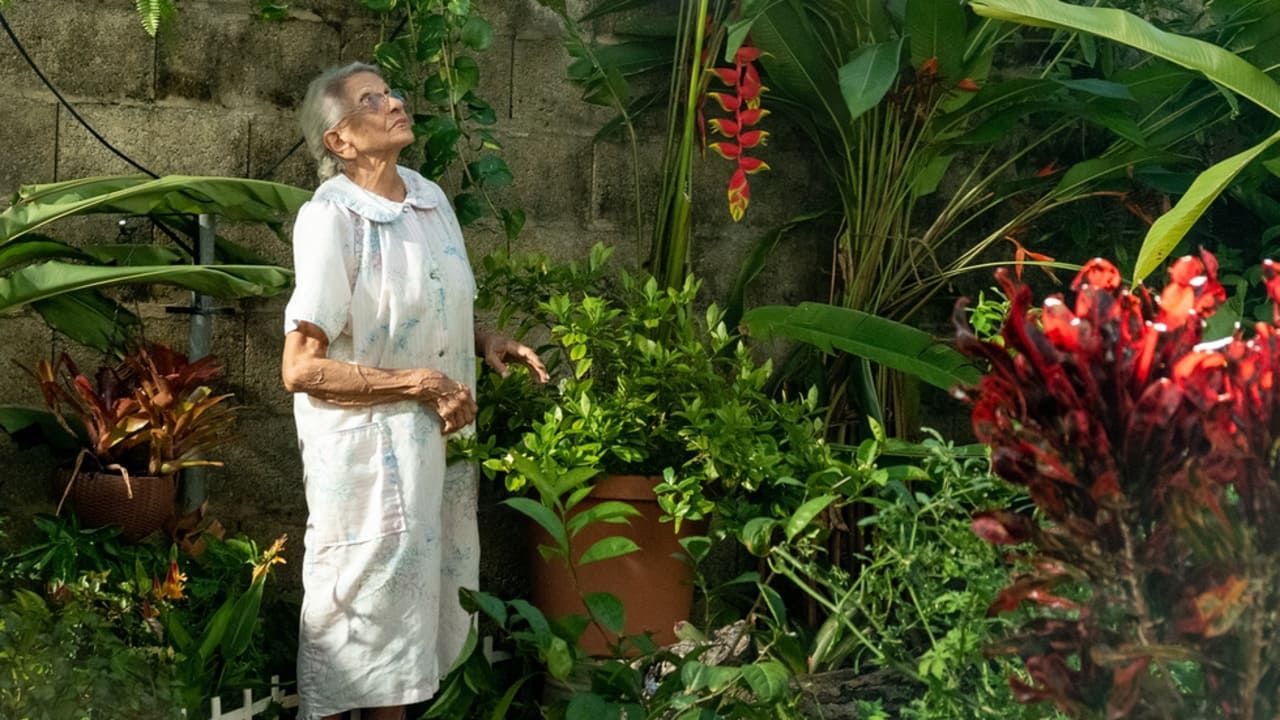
<point>376,123</point>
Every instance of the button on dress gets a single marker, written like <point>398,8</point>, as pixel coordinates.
<point>391,530</point>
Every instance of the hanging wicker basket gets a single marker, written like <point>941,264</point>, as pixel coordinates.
<point>139,505</point>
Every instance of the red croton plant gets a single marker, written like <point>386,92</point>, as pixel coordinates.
<point>1151,579</point>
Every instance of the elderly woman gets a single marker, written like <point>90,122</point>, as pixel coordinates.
<point>380,352</point>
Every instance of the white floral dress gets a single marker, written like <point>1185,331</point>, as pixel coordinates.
<point>391,532</point>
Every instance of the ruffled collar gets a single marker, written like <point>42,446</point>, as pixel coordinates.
<point>339,189</point>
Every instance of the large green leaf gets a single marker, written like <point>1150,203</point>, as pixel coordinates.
<point>1087,172</point>
<point>891,344</point>
<point>1168,230</point>
<point>937,30</point>
<point>1219,65</point>
<point>607,610</point>
<point>230,198</point>
<point>36,247</point>
<point>41,282</point>
<point>868,75</point>
<point>798,69</point>
<point>608,549</point>
<point>88,317</point>
<point>244,616</point>
<point>754,263</point>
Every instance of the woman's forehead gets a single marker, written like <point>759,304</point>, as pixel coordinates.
<point>364,82</point>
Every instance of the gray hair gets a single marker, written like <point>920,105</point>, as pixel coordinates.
<point>323,107</point>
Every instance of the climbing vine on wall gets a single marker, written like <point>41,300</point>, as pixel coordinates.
<point>428,47</point>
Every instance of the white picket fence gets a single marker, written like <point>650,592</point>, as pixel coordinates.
<point>249,707</point>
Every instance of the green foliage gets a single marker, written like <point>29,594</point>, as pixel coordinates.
<point>65,284</point>
<point>891,344</point>
<point>650,385</point>
<point>153,13</point>
<point>431,54</point>
<point>68,661</point>
<point>1222,67</point>
<point>912,601</point>
<point>93,627</point>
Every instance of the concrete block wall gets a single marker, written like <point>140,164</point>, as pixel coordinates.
<point>216,94</point>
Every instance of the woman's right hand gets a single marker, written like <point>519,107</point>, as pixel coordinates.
<point>453,402</point>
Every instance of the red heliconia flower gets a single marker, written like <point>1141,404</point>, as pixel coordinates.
<point>744,104</point>
<point>1153,459</point>
<point>727,150</point>
<point>752,138</point>
<point>968,85</point>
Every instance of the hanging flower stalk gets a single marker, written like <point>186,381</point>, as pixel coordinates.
<point>743,103</point>
<point>1151,578</point>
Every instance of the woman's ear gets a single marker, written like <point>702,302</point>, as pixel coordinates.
<point>337,143</point>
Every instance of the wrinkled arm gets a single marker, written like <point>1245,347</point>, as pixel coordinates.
<point>306,368</point>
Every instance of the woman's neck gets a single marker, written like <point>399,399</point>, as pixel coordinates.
<point>378,176</point>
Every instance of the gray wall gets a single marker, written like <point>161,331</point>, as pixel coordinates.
<point>215,95</point>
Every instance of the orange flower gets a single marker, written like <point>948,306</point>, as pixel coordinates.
<point>270,556</point>
<point>173,585</point>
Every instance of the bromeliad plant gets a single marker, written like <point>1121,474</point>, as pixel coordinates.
<point>153,414</point>
<point>1151,456</point>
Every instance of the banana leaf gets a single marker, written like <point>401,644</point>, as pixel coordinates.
<point>891,344</point>
<point>1215,63</point>
<point>35,247</point>
<point>32,428</point>
<point>1219,65</point>
<point>46,280</point>
<point>235,199</point>
<point>89,318</point>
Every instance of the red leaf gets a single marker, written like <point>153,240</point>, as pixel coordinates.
<point>1212,612</point>
<point>1124,689</point>
<point>1001,527</point>
<point>1099,274</point>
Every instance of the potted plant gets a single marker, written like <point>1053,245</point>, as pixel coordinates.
<point>137,424</point>
<point>661,415</point>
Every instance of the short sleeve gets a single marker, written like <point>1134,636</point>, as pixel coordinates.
<point>324,266</point>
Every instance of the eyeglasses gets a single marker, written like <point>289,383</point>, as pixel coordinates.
<point>376,102</point>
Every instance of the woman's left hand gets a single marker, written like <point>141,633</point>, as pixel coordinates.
<point>498,351</point>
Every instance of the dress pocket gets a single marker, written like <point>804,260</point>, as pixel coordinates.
<point>353,487</point>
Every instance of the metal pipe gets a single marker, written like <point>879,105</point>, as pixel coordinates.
<point>200,340</point>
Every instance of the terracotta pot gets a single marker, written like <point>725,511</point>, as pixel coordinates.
<point>656,589</point>
<point>102,499</point>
